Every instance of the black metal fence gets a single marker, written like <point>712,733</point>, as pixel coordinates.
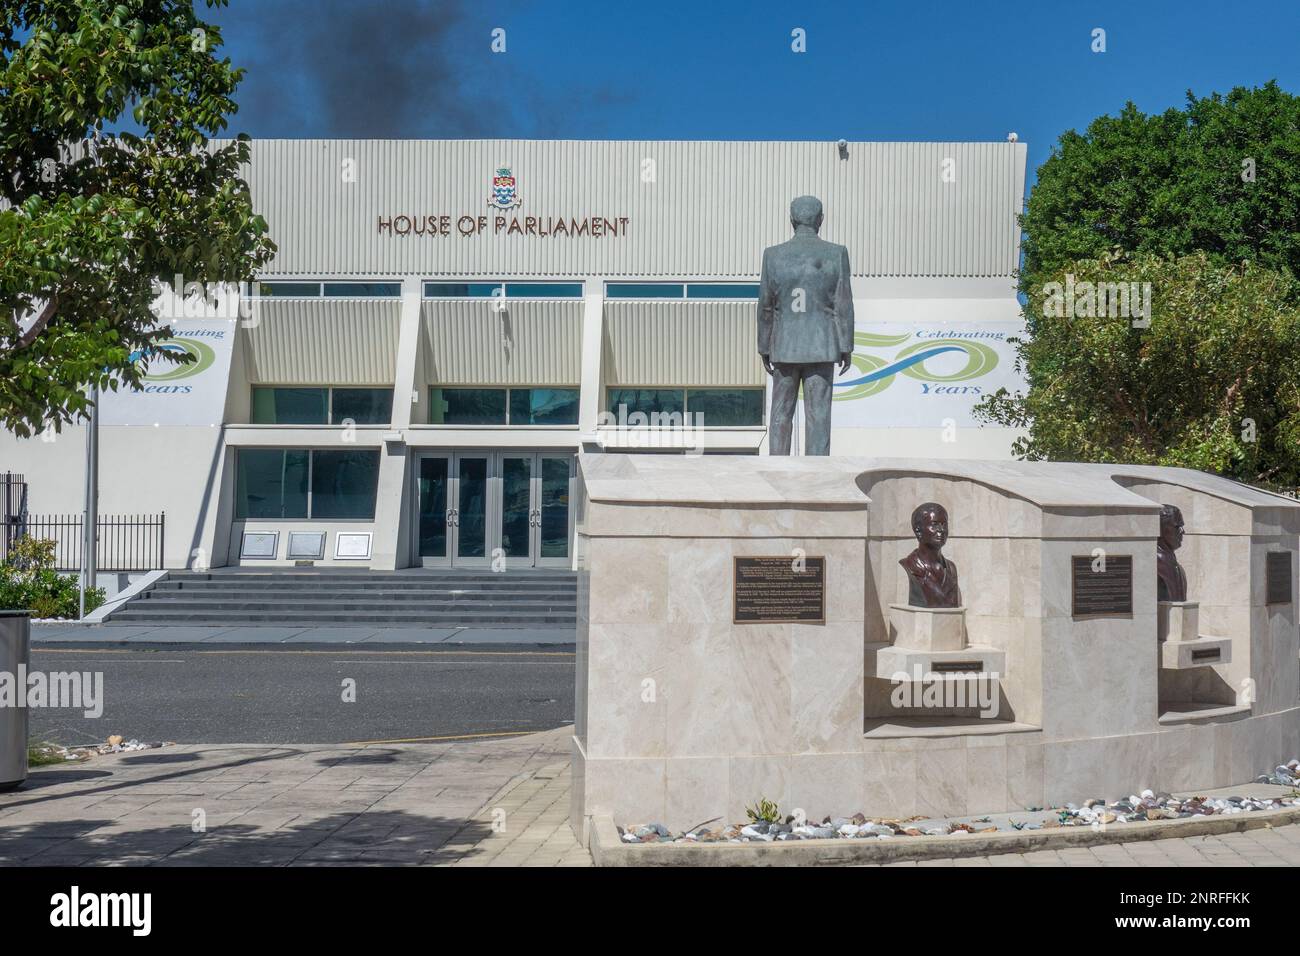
<point>13,499</point>
<point>125,542</point>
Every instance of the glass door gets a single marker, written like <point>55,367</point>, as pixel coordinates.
<point>518,510</point>
<point>471,510</point>
<point>552,514</point>
<point>477,509</point>
<point>434,530</point>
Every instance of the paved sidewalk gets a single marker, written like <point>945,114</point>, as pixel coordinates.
<point>1276,846</point>
<point>294,634</point>
<point>499,802</point>
<point>469,802</point>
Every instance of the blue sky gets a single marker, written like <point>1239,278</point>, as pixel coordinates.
<point>575,69</point>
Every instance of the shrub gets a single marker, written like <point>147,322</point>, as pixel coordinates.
<point>29,582</point>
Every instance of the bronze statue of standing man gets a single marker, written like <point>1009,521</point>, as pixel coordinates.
<point>805,326</point>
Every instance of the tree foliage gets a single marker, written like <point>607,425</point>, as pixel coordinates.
<point>93,220</point>
<point>1212,382</point>
<point>1221,176</point>
<point>1203,204</point>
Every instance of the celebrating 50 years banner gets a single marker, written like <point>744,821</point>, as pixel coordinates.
<point>172,394</point>
<point>916,375</point>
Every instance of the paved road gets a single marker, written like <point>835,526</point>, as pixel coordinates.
<point>282,694</point>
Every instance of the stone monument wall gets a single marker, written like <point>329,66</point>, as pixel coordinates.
<point>685,716</point>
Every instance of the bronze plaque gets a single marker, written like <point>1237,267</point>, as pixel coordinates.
<point>956,667</point>
<point>768,590</point>
<point>1101,592</point>
<point>1277,576</point>
<point>1205,656</point>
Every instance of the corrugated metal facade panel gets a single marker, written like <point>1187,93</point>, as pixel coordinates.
<point>709,209</point>
<point>322,342</point>
<point>681,343</point>
<point>528,343</point>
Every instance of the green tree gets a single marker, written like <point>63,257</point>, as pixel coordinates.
<point>92,219</point>
<point>1221,176</point>
<point>1208,379</point>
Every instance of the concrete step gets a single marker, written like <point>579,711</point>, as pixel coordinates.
<point>283,596</point>
<point>239,618</point>
<point>353,587</point>
<point>359,607</point>
<point>341,593</point>
<point>411,577</point>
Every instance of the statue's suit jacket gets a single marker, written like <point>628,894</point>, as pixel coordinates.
<point>823,331</point>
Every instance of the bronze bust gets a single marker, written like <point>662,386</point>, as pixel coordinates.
<point>932,579</point>
<point>1171,581</point>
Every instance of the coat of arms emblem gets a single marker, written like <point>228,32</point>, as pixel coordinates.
<point>504,194</point>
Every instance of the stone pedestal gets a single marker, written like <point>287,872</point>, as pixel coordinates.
<point>1181,645</point>
<point>929,643</point>
<point>901,663</point>
<point>1178,620</point>
<point>926,628</point>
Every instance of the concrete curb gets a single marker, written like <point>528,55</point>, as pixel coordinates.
<point>608,850</point>
<point>116,602</point>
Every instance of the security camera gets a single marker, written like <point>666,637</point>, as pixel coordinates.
<point>843,147</point>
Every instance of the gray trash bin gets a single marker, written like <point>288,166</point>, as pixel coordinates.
<point>15,650</point>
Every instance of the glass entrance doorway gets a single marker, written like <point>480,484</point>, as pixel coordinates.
<point>506,509</point>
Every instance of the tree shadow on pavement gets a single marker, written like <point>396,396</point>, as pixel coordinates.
<point>374,838</point>
<point>40,779</point>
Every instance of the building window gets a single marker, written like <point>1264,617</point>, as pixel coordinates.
<point>321,405</point>
<point>343,483</point>
<point>543,290</point>
<point>459,290</point>
<point>510,290</point>
<point>467,406</point>
<point>314,290</point>
<point>722,290</point>
<point>300,290</point>
<point>725,407</point>
<point>648,401</point>
<point>364,406</point>
<point>644,290</point>
<point>271,483</point>
<point>503,406</point>
<point>681,290</point>
<point>290,406</point>
<point>721,407</point>
<point>543,406</point>
<point>299,483</point>
<point>364,290</point>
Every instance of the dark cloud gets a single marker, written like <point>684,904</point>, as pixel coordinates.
<point>387,69</point>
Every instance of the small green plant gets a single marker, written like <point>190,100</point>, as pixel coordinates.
<point>43,754</point>
<point>765,811</point>
<point>29,582</point>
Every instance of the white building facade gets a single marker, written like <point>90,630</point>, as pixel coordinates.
<point>448,323</point>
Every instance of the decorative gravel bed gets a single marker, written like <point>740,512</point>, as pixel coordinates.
<point>1094,812</point>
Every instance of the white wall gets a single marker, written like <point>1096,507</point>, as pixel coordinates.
<point>142,470</point>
